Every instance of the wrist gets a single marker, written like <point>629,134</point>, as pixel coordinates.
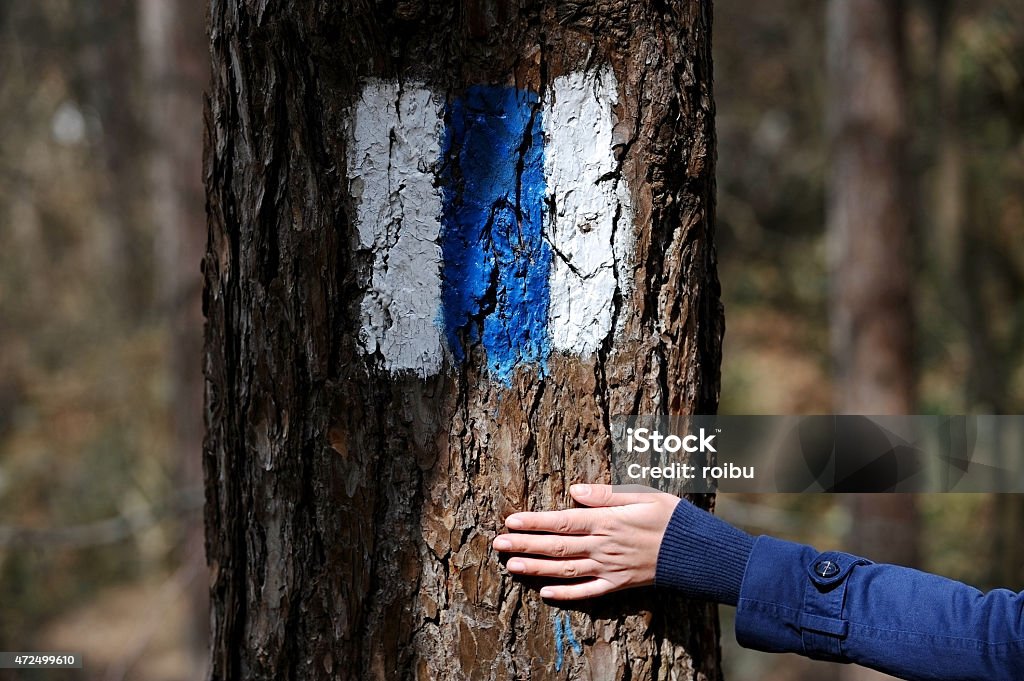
<point>702,556</point>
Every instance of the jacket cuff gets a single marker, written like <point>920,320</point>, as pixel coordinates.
<point>702,556</point>
<point>792,599</point>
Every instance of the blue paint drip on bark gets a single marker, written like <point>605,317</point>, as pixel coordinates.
<point>559,645</point>
<point>494,286</point>
<point>577,647</point>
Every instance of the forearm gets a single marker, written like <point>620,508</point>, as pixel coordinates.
<point>900,621</point>
<point>839,607</point>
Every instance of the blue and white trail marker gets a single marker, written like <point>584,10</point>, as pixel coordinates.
<point>494,219</point>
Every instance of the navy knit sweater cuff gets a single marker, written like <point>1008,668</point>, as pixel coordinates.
<point>703,556</point>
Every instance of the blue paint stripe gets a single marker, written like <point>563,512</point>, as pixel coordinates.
<point>494,286</point>
<point>576,647</point>
<point>559,646</point>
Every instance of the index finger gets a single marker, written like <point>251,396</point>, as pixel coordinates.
<point>568,521</point>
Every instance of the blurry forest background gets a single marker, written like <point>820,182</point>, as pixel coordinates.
<point>102,230</point>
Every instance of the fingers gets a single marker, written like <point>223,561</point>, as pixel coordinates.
<point>611,545</point>
<point>605,495</point>
<point>578,520</point>
<point>562,569</point>
<point>569,521</point>
<point>575,592</point>
<point>554,545</point>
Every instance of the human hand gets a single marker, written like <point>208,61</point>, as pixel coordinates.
<point>612,545</point>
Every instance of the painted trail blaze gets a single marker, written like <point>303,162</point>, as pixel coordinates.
<point>484,228</point>
<point>494,284</point>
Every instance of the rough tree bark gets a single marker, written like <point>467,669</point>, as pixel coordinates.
<point>350,500</point>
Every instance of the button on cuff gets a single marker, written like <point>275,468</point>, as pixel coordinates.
<point>832,567</point>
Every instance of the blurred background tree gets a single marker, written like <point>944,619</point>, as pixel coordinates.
<point>961,147</point>
<point>99,108</point>
<point>102,221</point>
<point>870,269</point>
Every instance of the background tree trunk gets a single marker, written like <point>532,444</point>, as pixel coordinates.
<point>176,68</point>
<point>350,507</point>
<point>871,269</point>
<point>869,209</point>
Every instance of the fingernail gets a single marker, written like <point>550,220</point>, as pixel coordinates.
<point>547,592</point>
<point>580,490</point>
<point>516,565</point>
<point>513,523</point>
<point>502,544</point>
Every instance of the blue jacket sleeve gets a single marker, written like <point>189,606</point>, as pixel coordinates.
<point>914,625</point>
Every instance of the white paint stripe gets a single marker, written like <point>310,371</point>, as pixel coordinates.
<point>589,246</point>
<point>394,143</point>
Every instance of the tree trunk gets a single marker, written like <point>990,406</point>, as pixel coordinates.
<point>448,243</point>
<point>176,68</point>
<point>104,78</point>
<point>868,209</point>
<point>869,253</point>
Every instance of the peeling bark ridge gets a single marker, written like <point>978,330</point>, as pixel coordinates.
<point>448,243</point>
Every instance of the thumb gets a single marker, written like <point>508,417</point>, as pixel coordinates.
<point>605,495</point>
